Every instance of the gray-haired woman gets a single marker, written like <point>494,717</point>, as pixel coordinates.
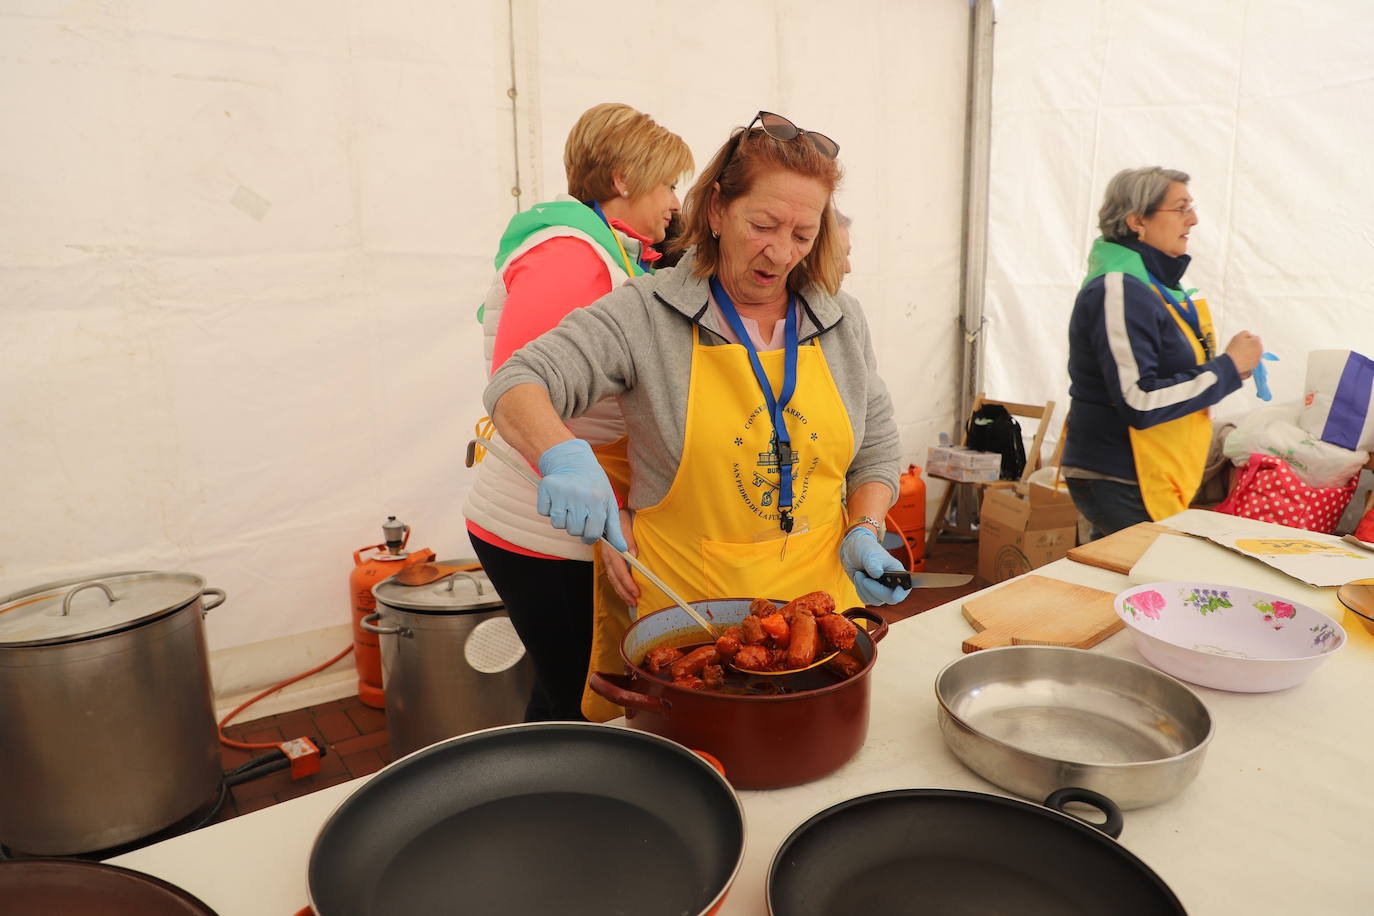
<point>1143,366</point>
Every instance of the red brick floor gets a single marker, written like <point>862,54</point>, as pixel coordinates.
<point>354,736</point>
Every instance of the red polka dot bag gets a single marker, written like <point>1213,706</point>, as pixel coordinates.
<point>1270,491</point>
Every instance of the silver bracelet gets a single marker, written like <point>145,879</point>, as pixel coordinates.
<point>871,522</point>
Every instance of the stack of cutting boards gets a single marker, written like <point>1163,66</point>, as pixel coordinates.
<point>1036,610</point>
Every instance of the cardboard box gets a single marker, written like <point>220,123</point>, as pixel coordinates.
<point>966,465</point>
<point>1019,533</point>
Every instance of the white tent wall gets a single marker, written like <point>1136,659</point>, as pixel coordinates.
<point>1265,103</point>
<point>244,245</point>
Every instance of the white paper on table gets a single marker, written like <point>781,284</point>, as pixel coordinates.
<point>1322,560</point>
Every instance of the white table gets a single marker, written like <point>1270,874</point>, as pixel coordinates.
<point>1280,820</point>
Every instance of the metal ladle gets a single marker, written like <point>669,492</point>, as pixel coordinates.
<point>523,469</point>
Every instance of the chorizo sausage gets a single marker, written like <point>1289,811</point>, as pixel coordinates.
<point>801,651</point>
<point>845,665</point>
<point>752,658</point>
<point>753,630</point>
<point>658,659</point>
<point>694,661</point>
<point>838,630</point>
<point>813,603</point>
<point>762,607</point>
<point>727,646</point>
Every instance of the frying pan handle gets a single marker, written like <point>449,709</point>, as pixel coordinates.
<point>878,628</point>
<point>615,687</point>
<point>1061,797</point>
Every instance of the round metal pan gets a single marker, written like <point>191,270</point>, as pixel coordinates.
<point>75,887</point>
<point>940,852</point>
<point>1033,719</point>
<point>552,817</point>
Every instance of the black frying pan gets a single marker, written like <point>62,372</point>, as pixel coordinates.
<point>550,817</point>
<point>937,851</point>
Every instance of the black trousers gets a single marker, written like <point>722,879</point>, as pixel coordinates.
<point>550,604</point>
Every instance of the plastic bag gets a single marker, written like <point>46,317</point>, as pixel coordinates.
<point>1339,406</point>
<point>1273,430</point>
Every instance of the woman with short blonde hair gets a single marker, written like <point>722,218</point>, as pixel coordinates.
<point>554,259</point>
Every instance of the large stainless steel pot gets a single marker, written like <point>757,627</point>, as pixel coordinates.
<point>451,660</point>
<point>1034,719</point>
<point>764,742</point>
<point>107,724</point>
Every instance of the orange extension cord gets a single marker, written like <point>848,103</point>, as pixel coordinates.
<point>910,555</point>
<point>229,742</point>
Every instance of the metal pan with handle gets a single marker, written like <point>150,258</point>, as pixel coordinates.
<point>940,851</point>
<point>550,817</point>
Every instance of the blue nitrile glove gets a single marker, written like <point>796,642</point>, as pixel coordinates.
<point>864,560</point>
<point>576,494</point>
<point>1261,377</point>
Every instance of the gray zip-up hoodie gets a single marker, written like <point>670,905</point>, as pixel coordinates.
<point>635,344</point>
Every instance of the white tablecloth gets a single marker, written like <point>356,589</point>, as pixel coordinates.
<point>1280,820</point>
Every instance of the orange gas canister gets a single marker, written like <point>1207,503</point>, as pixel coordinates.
<point>390,558</point>
<point>908,517</point>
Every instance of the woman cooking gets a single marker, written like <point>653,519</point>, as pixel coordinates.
<point>554,258</point>
<point>1143,366</point>
<point>762,446</point>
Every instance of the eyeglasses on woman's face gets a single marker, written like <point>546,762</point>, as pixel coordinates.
<point>779,128</point>
<point>1188,209</point>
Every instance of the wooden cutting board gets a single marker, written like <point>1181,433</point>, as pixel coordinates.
<point>1038,611</point>
<point>1120,551</point>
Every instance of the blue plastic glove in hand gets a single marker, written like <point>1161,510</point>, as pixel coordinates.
<point>864,560</point>
<point>1261,377</point>
<point>576,494</point>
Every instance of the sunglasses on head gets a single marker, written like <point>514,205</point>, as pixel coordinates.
<point>779,128</point>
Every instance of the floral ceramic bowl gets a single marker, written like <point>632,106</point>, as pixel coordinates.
<point>1227,637</point>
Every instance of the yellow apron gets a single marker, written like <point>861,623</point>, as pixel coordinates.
<point>716,534</point>
<point>1170,458</point>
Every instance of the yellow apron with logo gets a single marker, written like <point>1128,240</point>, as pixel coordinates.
<point>1170,458</point>
<point>716,533</point>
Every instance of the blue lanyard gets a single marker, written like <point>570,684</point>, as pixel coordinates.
<point>1187,311</point>
<point>639,262</point>
<point>777,406</point>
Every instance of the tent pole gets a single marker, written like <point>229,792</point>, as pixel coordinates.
<point>977,142</point>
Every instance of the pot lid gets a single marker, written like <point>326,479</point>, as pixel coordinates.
<point>89,606</point>
<point>457,593</point>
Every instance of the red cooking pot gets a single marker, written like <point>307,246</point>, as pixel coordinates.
<point>764,742</point>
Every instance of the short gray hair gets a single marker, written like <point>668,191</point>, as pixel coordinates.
<point>1139,191</point>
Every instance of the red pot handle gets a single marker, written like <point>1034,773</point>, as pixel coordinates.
<point>615,687</point>
<point>876,632</point>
